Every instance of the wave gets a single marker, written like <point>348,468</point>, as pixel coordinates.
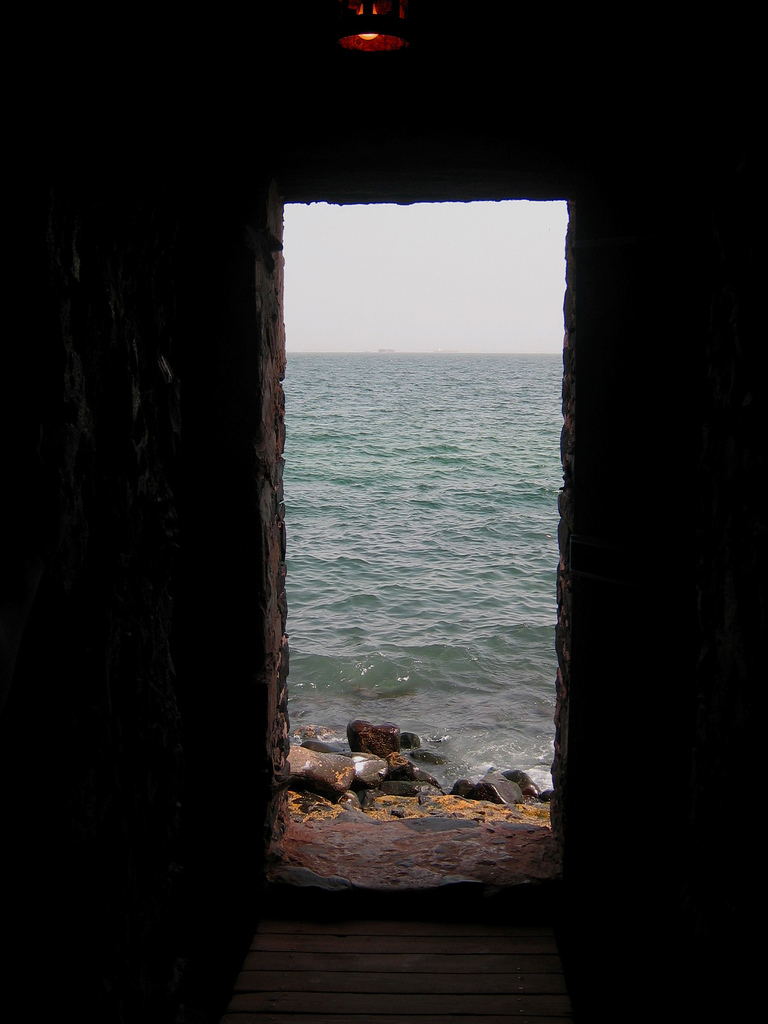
<point>421,511</point>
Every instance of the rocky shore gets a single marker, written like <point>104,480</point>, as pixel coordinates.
<point>382,773</point>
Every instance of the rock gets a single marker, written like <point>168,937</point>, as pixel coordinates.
<point>409,740</point>
<point>498,790</point>
<point>426,756</point>
<point>401,769</point>
<point>428,793</point>
<point>313,732</point>
<point>401,787</point>
<point>367,799</point>
<point>305,877</point>
<point>493,787</point>
<point>364,737</point>
<point>463,787</point>
<point>421,776</point>
<point>322,747</point>
<point>311,805</point>
<point>527,786</point>
<point>349,800</point>
<point>439,824</point>
<point>327,774</point>
<point>370,770</point>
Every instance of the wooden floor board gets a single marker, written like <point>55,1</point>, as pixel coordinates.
<point>382,972</point>
<point>396,1004</point>
<point>289,927</point>
<point>371,981</point>
<point>335,1018</point>
<point>424,962</point>
<point>406,943</point>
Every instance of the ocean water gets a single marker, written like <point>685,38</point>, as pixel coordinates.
<point>421,514</point>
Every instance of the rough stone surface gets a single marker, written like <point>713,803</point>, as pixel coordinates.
<point>412,853</point>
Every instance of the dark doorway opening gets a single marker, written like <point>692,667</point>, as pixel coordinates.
<point>343,597</point>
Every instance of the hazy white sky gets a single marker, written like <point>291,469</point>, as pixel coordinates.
<point>468,277</point>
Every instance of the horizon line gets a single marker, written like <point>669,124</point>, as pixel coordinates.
<point>417,352</point>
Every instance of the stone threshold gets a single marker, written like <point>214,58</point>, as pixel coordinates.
<point>480,849</point>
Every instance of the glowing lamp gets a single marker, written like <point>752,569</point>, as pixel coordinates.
<point>373,25</point>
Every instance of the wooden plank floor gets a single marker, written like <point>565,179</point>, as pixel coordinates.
<point>399,972</point>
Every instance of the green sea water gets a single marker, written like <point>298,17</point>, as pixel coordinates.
<point>421,514</point>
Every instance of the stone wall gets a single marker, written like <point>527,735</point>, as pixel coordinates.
<point>229,641</point>
<point>144,733</point>
<point>725,863</point>
<point>266,242</point>
<point>91,759</point>
<point>565,531</point>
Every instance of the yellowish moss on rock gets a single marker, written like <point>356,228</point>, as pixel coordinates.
<point>311,807</point>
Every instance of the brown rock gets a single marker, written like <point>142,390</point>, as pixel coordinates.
<point>327,774</point>
<point>364,737</point>
<point>399,767</point>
